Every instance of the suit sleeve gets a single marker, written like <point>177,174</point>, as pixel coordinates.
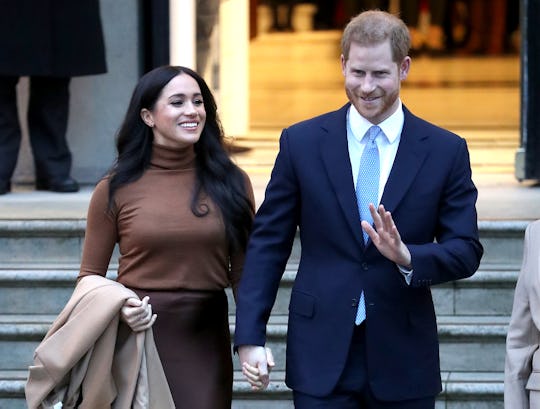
<point>523,338</point>
<point>268,250</point>
<point>456,251</point>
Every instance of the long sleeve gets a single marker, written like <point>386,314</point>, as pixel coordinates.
<point>523,338</point>
<point>237,259</point>
<point>101,234</point>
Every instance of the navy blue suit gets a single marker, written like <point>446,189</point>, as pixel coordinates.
<point>432,198</point>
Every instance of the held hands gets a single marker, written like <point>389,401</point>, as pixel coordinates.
<point>386,236</point>
<point>257,363</point>
<point>138,314</point>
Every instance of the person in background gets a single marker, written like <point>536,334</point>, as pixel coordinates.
<point>487,27</point>
<point>521,381</point>
<point>180,211</point>
<point>50,42</point>
<point>282,11</point>
<point>385,208</point>
<point>425,20</point>
<point>347,9</point>
<point>207,15</point>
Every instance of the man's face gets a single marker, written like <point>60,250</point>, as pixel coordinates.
<point>373,80</point>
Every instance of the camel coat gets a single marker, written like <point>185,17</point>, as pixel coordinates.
<point>89,359</point>
<point>522,369</point>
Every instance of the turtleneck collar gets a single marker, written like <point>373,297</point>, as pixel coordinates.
<point>164,157</point>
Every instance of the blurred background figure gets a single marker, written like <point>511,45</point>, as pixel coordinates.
<point>282,11</point>
<point>50,42</point>
<point>425,20</point>
<point>347,9</point>
<point>207,17</point>
<point>487,27</point>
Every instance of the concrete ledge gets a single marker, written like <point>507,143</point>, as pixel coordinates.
<point>38,228</point>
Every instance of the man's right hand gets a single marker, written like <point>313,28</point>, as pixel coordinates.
<point>257,362</point>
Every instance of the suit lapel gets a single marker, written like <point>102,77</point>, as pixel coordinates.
<point>410,155</point>
<point>335,156</point>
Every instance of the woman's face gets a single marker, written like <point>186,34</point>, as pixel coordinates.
<point>178,116</point>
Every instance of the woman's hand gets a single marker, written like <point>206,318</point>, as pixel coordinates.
<point>257,363</point>
<point>138,314</point>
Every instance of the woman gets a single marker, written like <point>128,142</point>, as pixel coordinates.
<point>522,370</point>
<point>180,211</point>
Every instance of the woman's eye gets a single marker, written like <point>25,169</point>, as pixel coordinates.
<point>198,102</point>
<point>177,103</point>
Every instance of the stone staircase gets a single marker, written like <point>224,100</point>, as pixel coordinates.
<point>39,262</point>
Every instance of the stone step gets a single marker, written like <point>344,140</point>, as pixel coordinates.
<point>467,343</point>
<point>478,390</point>
<point>42,243</point>
<point>488,292</point>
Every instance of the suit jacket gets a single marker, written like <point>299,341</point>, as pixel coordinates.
<point>522,368</point>
<point>431,196</point>
<point>86,355</point>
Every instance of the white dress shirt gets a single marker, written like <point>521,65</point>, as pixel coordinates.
<point>387,142</point>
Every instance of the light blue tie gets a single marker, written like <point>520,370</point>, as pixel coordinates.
<point>367,191</point>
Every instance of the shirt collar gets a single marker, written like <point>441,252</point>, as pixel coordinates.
<point>391,126</point>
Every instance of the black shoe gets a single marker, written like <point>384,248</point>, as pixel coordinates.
<point>5,188</point>
<point>67,185</point>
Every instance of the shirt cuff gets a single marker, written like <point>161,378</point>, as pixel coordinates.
<point>407,274</point>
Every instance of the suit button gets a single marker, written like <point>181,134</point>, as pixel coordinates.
<point>354,302</point>
<point>365,266</point>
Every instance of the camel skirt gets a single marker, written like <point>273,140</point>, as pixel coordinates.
<point>194,344</point>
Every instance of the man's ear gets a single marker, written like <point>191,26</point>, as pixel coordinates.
<point>343,64</point>
<point>404,68</point>
<point>147,117</point>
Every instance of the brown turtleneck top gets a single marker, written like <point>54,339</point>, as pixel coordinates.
<point>163,245</point>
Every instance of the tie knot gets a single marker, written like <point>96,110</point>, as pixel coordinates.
<point>372,133</point>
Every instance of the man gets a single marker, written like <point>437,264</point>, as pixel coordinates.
<point>362,331</point>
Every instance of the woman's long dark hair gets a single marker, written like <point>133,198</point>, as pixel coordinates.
<point>217,175</point>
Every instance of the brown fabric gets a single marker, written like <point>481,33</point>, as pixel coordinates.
<point>163,245</point>
<point>193,342</point>
<point>182,262</point>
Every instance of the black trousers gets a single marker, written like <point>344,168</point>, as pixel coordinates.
<point>48,111</point>
<point>352,390</point>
